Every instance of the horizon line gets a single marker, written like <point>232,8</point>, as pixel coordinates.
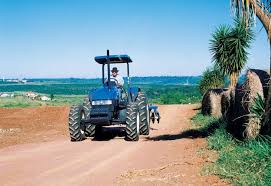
<point>99,77</point>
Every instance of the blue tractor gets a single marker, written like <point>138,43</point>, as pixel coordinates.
<point>112,105</point>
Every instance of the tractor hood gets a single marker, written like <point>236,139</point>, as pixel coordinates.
<point>105,93</point>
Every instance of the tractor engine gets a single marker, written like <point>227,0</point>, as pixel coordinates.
<point>104,102</point>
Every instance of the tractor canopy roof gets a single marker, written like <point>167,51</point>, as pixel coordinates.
<point>113,59</point>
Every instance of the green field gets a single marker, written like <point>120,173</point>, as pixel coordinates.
<point>59,100</point>
<point>161,90</point>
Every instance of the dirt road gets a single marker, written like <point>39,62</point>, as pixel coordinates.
<point>167,157</point>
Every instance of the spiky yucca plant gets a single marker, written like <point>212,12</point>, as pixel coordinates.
<point>258,107</point>
<point>229,49</point>
<point>249,9</point>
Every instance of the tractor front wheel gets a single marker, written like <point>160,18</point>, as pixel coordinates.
<point>90,129</point>
<point>143,114</point>
<point>132,122</point>
<point>76,128</point>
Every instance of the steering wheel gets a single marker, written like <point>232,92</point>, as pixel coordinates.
<point>116,81</point>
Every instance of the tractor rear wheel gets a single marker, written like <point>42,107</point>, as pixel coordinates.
<point>132,122</point>
<point>143,114</point>
<point>90,129</point>
<point>76,128</point>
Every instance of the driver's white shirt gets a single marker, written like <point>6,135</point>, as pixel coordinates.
<point>120,80</point>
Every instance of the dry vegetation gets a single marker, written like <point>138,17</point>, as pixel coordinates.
<point>237,131</point>
<point>235,105</point>
<point>211,102</point>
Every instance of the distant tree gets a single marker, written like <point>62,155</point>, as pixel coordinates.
<point>52,96</point>
<point>212,78</point>
<point>229,49</point>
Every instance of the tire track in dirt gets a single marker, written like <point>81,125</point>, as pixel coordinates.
<point>166,157</point>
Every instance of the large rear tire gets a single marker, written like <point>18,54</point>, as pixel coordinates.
<point>90,129</point>
<point>76,128</point>
<point>143,114</point>
<point>132,122</point>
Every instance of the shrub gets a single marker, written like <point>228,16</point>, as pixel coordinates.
<point>211,79</point>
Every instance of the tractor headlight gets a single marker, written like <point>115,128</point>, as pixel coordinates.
<point>102,102</point>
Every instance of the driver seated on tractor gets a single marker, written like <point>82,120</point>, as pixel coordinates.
<point>119,83</point>
<point>116,77</point>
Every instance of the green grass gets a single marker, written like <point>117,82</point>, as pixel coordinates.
<point>159,90</point>
<point>172,94</point>
<point>242,163</point>
<point>18,102</point>
<point>158,93</point>
<point>67,94</point>
<point>59,100</point>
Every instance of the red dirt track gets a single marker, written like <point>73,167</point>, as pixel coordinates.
<point>35,149</point>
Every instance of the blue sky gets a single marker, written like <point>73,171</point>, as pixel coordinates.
<point>60,38</point>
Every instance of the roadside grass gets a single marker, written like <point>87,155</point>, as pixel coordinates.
<point>240,162</point>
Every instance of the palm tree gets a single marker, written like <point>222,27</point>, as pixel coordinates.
<point>249,9</point>
<point>229,49</point>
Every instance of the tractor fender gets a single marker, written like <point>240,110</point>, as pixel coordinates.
<point>133,93</point>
